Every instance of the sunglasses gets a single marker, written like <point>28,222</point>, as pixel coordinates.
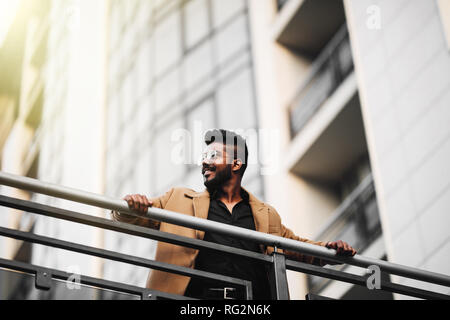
<point>210,155</point>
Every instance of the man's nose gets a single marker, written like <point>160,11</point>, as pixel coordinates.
<point>206,162</point>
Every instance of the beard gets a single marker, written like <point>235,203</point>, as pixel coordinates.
<point>219,179</point>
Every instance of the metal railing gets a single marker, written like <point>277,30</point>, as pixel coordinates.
<point>277,262</point>
<point>328,71</point>
<point>356,220</point>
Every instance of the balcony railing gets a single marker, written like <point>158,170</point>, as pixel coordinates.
<point>44,278</point>
<point>356,220</point>
<point>328,71</point>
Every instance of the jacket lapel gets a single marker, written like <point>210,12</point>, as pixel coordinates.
<point>260,215</point>
<point>201,206</point>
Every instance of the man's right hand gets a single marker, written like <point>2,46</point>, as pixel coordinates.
<point>138,203</point>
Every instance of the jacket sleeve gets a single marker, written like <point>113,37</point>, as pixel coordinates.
<point>159,202</point>
<point>287,233</point>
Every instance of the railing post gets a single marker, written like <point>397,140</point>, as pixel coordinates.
<point>278,280</point>
<point>43,279</point>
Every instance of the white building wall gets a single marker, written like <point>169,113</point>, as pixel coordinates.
<point>403,69</point>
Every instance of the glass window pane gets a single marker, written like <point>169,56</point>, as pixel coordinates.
<point>200,119</point>
<point>144,117</point>
<point>130,5</point>
<point>167,171</point>
<point>224,10</point>
<point>142,174</point>
<point>128,43</point>
<point>196,17</point>
<point>167,89</point>
<point>127,97</point>
<point>194,180</point>
<point>144,15</point>
<point>167,42</point>
<point>202,116</point>
<point>197,65</point>
<point>128,140</point>
<point>236,103</point>
<point>144,69</point>
<point>231,39</point>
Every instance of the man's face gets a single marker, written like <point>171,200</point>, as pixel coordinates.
<point>216,167</point>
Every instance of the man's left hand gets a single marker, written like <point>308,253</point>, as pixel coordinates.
<point>342,248</point>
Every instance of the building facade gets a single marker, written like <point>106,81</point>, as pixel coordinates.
<point>57,135</point>
<point>344,104</point>
<point>361,86</point>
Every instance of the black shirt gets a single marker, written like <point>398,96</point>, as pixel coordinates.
<point>232,266</point>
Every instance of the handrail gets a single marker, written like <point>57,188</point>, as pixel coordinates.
<point>148,233</point>
<point>211,226</point>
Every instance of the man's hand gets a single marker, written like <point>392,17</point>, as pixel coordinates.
<point>138,203</point>
<point>342,248</point>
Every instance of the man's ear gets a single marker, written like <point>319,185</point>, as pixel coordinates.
<point>237,164</point>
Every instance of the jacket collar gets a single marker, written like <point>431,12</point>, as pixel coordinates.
<point>259,209</point>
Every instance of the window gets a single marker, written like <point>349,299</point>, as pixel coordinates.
<point>144,118</point>
<point>200,119</point>
<point>167,89</point>
<point>197,65</point>
<point>142,173</point>
<point>194,180</point>
<point>231,39</point>
<point>202,115</point>
<point>167,42</point>
<point>235,102</point>
<point>143,68</point>
<point>143,15</point>
<point>196,21</point>
<point>167,169</point>
<point>128,95</point>
<point>224,10</point>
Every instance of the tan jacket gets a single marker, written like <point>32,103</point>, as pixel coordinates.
<point>196,204</point>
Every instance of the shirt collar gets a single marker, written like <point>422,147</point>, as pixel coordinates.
<point>244,195</point>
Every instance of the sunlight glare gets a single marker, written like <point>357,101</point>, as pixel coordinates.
<point>8,10</point>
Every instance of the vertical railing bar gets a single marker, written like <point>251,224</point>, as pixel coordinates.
<point>279,284</point>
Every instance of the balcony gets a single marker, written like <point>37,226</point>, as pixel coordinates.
<point>37,282</point>
<point>306,26</point>
<point>327,130</point>
<point>328,72</point>
<point>357,220</point>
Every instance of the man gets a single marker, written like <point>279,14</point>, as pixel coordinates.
<point>224,200</point>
